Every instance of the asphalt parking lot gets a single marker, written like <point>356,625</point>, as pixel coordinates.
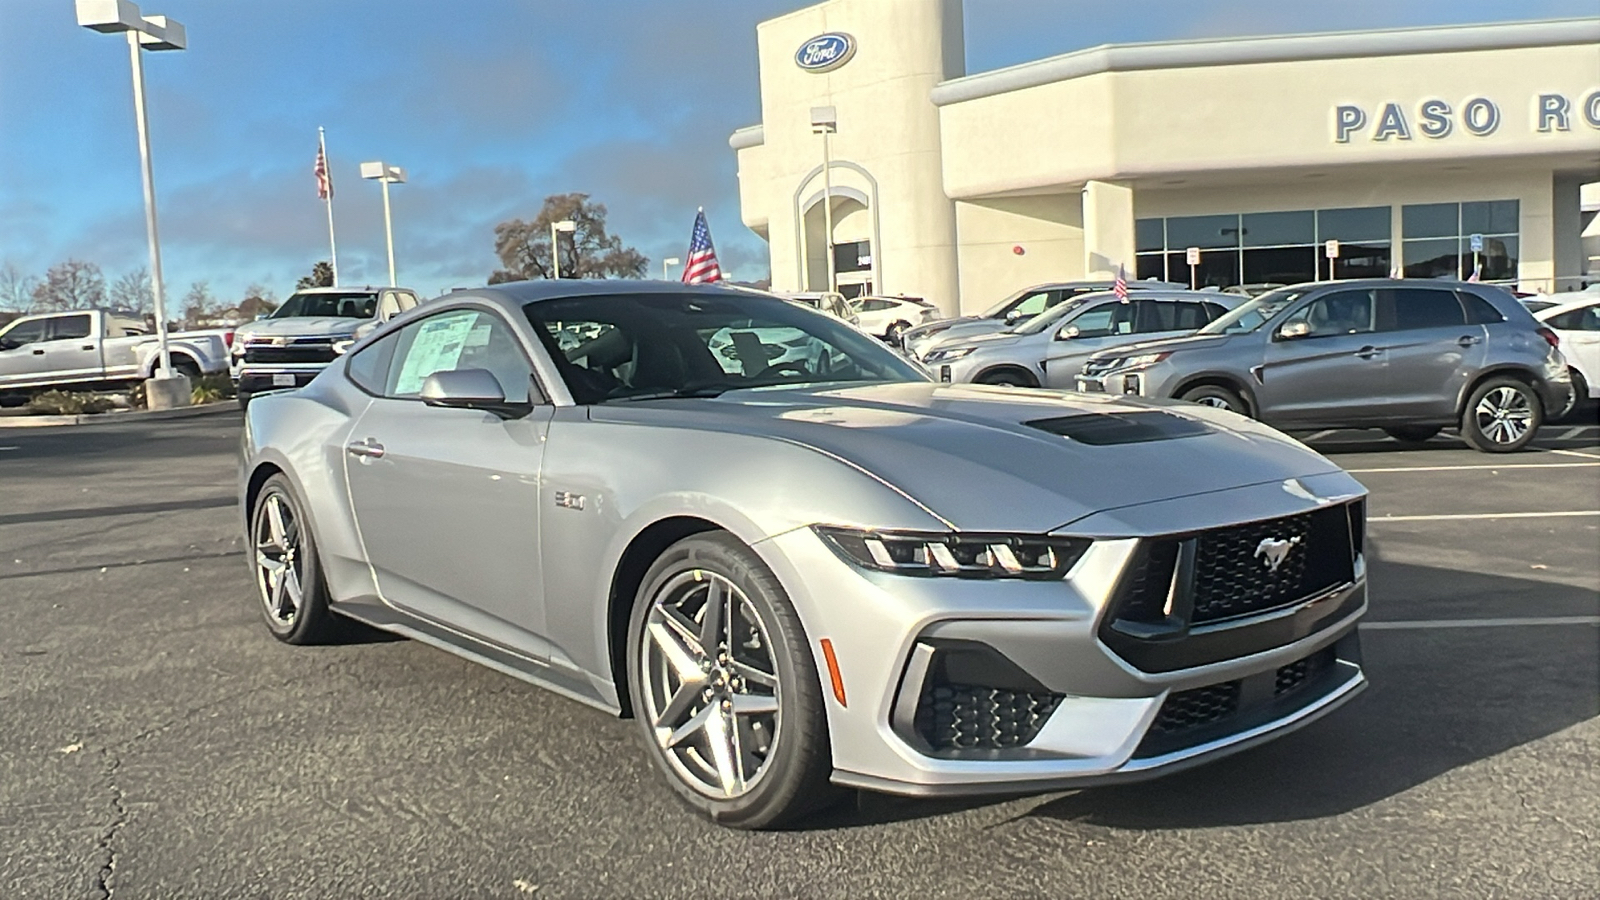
<point>156,742</point>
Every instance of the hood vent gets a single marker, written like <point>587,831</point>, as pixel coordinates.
<point>1103,429</point>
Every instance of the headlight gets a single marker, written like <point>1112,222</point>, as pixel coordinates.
<point>1139,362</point>
<point>962,555</point>
<point>950,355</point>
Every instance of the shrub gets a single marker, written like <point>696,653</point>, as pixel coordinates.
<point>212,388</point>
<point>69,403</point>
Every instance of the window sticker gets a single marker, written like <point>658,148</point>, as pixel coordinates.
<point>437,348</point>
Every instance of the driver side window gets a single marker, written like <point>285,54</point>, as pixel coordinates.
<point>23,334</point>
<point>451,341</point>
<point>1342,312</point>
<point>1104,320</point>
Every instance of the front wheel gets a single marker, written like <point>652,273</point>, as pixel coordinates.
<point>724,689</point>
<point>1012,377</point>
<point>288,575</point>
<point>1502,416</point>
<point>894,332</point>
<point>1216,396</point>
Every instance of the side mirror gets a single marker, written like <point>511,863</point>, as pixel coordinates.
<point>1013,316</point>
<point>471,389</point>
<point>8,344</point>
<point>1291,331</point>
<point>1068,333</point>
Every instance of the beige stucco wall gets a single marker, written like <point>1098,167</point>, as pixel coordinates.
<point>1049,229</point>
<point>888,126</point>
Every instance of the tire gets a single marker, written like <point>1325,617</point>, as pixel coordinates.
<point>772,666</point>
<point>1412,434</point>
<point>1217,396</point>
<point>893,333</point>
<point>288,546</point>
<point>186,367</point>
<point>1013,377</point>
<point>1502,416</point>
<point>1580,397</point>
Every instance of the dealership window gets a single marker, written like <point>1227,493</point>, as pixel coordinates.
<point>1438,239</point>
<point>1264,248</point>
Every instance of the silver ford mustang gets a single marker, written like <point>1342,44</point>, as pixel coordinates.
<point>806,572</point>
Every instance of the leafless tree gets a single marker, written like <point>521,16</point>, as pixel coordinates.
<point>73,284</point>
<point>587,252</point>
<point>16,287</point>
<point>132,291</point>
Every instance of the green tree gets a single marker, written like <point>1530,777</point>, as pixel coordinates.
<point>587,252</point>
<point>321,276</point>
<point>73,284</point>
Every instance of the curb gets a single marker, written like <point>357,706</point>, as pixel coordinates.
<point>156,415</point>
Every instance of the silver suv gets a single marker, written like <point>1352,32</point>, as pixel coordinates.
<point>1408,357</point>
<point>1014,310</point>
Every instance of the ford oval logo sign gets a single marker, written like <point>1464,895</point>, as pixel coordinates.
<point>825,52</point>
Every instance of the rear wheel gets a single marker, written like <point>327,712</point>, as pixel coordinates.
<point>1412,434</point>
<point>1502,416</point>
<point>1217,396</point>
<point>724,689</point>
<point>186,367</point>
<point>1013,377</point>
<point>288,576</point>
<point>1580,396</point>
<point>893,333</point>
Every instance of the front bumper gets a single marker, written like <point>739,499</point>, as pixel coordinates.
<point>1060,706</point>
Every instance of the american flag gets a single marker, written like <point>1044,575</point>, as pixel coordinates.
<point>1120,286</point>
<point>1477,272</point>
<point>701,266</point>
<point>324,180</point>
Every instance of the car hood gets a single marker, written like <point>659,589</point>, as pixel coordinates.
<point>300,325</point>
<point>964,330</point>
<point>1167,345</point>
<point>987,458</point>
<point>979,341</point>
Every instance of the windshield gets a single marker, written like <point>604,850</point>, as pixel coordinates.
<point>651,346</point>
<point>354,305</point>
<point>1054,314</point>
<point>999,309</point>
<point>1254,313</point>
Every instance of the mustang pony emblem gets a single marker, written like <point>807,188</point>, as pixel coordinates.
<point>1274,551</point>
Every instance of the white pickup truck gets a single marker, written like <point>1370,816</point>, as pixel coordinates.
<point>94,348</point>
<point>288,348</point>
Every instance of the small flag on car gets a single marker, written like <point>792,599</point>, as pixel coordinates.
<point>700,267</point>
<point>1120,286</point>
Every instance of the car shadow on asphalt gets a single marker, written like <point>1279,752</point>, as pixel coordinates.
<point>1551,437</point>
<point>1439,699</point>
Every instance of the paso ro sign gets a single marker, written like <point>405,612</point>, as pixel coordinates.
<point>825,52</point>
<point>1479,117</point>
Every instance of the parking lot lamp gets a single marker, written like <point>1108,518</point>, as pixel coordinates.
<point>149,33</point>
<point>385,174</point>
<point>825,121</point>
<point>565,225</point>
<point>669,261</point>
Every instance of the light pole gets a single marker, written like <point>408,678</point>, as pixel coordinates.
<point>825,121</point>
<point>565,226</point>
<point>669,261</point>
<point>151,33</point>
<point>385,174</point>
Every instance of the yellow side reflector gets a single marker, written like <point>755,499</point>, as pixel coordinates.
<point>833,671</point>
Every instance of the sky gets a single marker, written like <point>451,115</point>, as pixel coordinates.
<point>490,105</point>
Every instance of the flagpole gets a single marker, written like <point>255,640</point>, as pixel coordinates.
<point>333,248</point>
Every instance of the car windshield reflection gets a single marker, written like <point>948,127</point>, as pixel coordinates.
<point>1253,314</point>
<point>653,346</point>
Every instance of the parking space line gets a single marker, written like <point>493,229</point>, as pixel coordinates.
<point>1418,624</point>
<point>1578,453</point>
<point>1447,517</point>
<point>1571,465</point>
<point>2,449</point>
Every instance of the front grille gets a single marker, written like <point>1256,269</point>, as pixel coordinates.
<point>320,351</point>
<point>972,717</point>
<point>1200,706</point>
<point>1302,671</point>
<point>1233,572</point>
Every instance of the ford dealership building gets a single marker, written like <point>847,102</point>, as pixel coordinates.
<point>1429,152</point>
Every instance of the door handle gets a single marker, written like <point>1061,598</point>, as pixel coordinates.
<point>1468,340</point>
<point>38,353</point>
<point>1368,352</point>
<point>87,347</point>
<point>367,449</point>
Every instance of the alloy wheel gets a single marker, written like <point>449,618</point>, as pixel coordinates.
<point>712,695</point>
<point>278,560</point>
<point>1215,402</point>
<point>1504,415</point>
